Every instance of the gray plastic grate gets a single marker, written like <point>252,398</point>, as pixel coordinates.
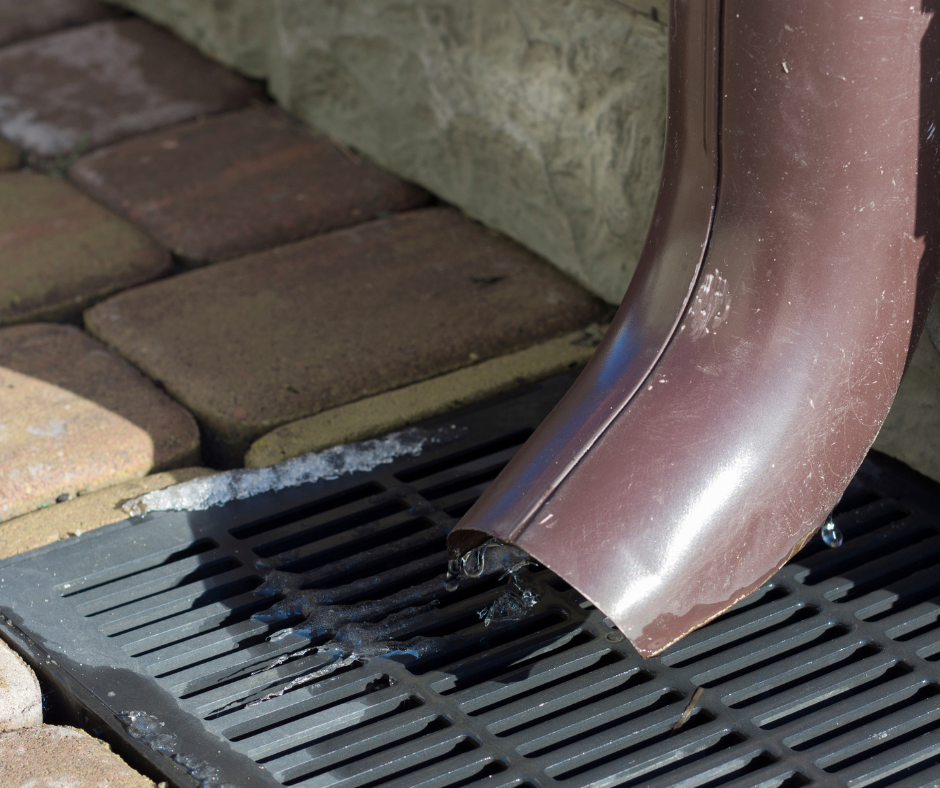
<point>828,675</point>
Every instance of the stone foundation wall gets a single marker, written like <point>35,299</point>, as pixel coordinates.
<point>543,119</point>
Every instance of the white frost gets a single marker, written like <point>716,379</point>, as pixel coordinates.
<point>199,494</point>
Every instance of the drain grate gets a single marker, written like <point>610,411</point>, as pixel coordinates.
<point>829,675</point>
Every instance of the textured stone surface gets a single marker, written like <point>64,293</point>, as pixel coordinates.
<point>393,410</point>
<point>254,343</point>
<point>912,430</point>
<point>21,19</point>
<point>84,87</point>
<point>20,697</point>
<point>84,513</point>
<point>60,251</point>
<point>542,118</point>
<point>238,183</point>
<point>75,417</point>
<point>53,756</point>
<point>9,156</point>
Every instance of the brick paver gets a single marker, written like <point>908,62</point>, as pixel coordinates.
<point>84,513</point>
<point>53,756</point>
<point>253,343</point>
<point>20,697</point>
<point>383,413</point>
<point>60,251</point>
<point>240,182</point>
<point>21,19</point>
<point>75,417</point>
<point>84,87</point>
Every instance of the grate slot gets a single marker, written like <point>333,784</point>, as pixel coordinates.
<point>128,572</point>
<point>920,727</point>
<point>351,727</point>
<point>560,695</point>
<point>549,671</point>
<point>306,532</point>
<point>822,663</point>
<point>859,553</point>
<point>877,701</point>
<point>302,516</point>
<point>651,753</point>
<point>433,743</point>
<point>212,582</point>
<point>457,461</point>
<point>722,635</point>
<point>473,769</point>
<point>710,767</point>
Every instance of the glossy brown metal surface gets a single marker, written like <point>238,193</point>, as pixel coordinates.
<point>688,464</point>
<point>655,301</point>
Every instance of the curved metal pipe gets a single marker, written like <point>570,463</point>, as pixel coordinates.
<point>785,278</point>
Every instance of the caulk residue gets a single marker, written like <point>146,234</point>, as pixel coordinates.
<point>150,731</point>
<point>200,494</point>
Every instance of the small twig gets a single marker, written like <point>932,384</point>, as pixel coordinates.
<point>687,712</point>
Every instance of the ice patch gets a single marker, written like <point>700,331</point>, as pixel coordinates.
<point>197,495</point>
<point>148,729</point>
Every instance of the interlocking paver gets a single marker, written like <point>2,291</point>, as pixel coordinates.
<point>84,87</point>
<point>240,182</point>
<point>393,410</point>
<point>60,251</point>
<point>20,19</point>
<point>54,756</point>
<point>253,343</point>
<point>84,513</point>
<point>20,697</point>
<point>75,417</point>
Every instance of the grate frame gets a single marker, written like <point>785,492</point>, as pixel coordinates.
<point>828,675</point>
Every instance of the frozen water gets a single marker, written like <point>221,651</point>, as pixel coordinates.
<point>148,729</point>
<point>511,605</point>
<point>199,494</point>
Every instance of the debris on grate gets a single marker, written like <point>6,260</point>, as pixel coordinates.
<point>304,637</point>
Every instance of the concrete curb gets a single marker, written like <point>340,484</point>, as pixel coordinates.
<point>85,513</point>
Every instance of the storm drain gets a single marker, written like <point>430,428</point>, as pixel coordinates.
<point>155,631</point>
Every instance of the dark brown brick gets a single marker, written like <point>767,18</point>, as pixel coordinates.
<point>75,417</point>
<point>253,343</point>
<point>9,156</point>
<point>84,87</point>
<point>238,183</point>
<point>21,19</point>
<point>60,251</point>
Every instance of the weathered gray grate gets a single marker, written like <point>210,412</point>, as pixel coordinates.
<point>829,675</point>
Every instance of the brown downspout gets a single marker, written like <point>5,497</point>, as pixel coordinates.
<point>784,281</point>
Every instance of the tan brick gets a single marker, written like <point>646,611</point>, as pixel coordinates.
<point>237,183</point>
<point>254,343</point>
<point>61,251</point>
<point>84,513</point>
<point>393,410</point>
<point>81,88</point>
<point>75,417</point>
<point>20,697</point>
<point>53,756</point>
